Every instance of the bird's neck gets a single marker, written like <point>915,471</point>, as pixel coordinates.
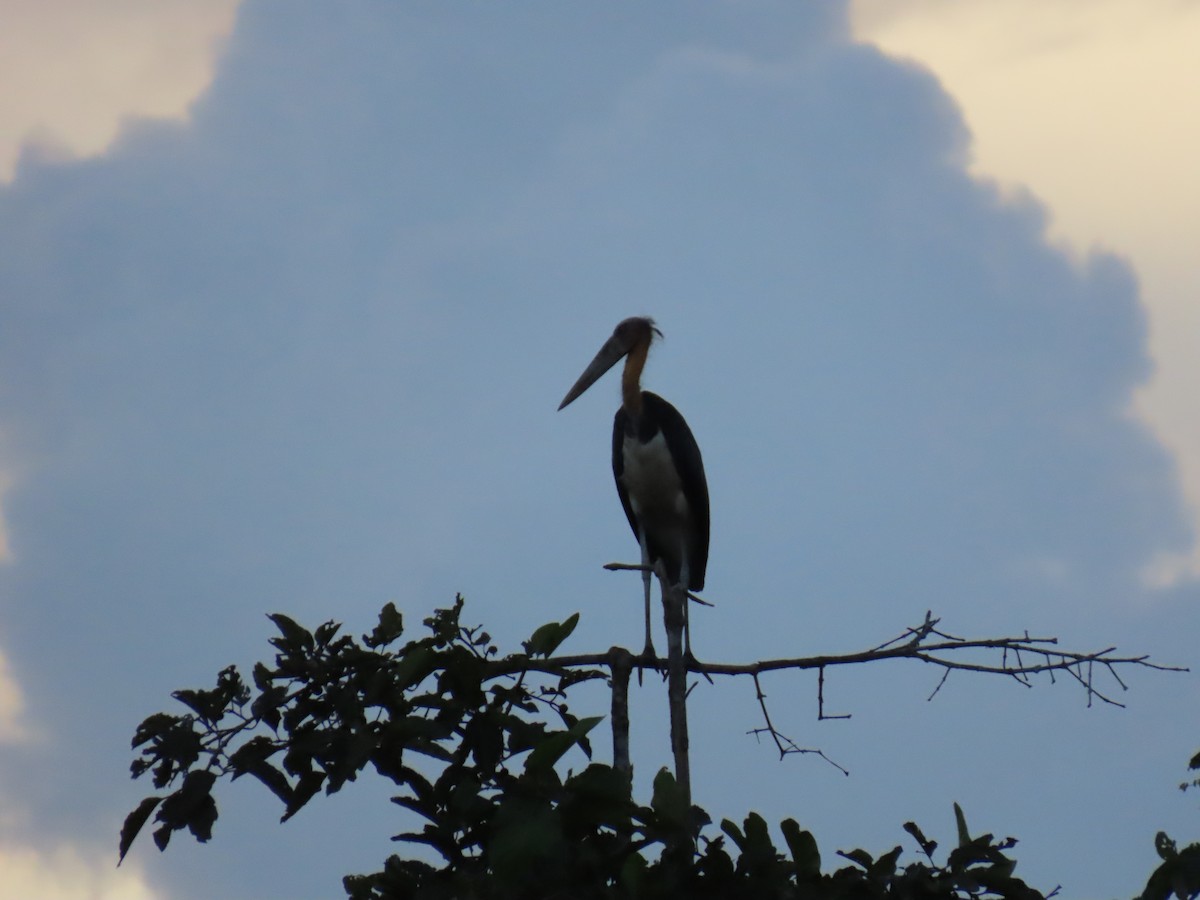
<point>631,379</point>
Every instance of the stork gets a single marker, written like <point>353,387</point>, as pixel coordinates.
<point>657,466</point>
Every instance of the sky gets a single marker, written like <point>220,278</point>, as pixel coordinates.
<point>289,293</point>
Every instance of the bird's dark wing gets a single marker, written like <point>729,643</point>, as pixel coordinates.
<point>685,453</point>
<point>620,424</point>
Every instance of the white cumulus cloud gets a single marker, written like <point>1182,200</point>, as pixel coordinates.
<point>73,70</point>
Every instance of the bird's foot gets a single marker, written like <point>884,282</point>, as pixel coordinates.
<point>648,657</point>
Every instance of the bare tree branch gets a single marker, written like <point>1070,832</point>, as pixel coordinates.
<point>784,744</point>
<point>1018,657</point>
<point>821,714</point>
<point>620,663</point>
<point>995,656</point>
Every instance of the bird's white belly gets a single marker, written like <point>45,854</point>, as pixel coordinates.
<point>654,488</point>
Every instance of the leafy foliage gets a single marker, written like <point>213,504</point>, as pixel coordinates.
<point>1179,873</point>
<point>473,741</point>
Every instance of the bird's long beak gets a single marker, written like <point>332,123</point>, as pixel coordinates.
<point>612,351</point>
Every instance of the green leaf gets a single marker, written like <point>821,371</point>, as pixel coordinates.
<point>266,706</point>
<point>390,627</point>
<point>567,627</point>
<point>715,865</point>
<point>203,818</point>
<point>152,727</point>
<point>250,754</point>
<point>191,807</point>
<point>133,824</point>
<point>601,782</point>
<point>524,735</point>
<point>669,800</point>
<point>551,749</point>
<point>162,837</point>
<point>803,847</point>
<point>757,832</point>
<point>414,666</point>
<point>326,632</point>
<point>306,788</point>
<point>927,846</point>
<point>430,749</point>
<point>633,874</point>
<point>547,638</point>
<point>759,850</point>
<point>885,867</point>
<point>526,836</point>
<point>263,676</point>
<point>598,796</point>
<point>420,807</point>
<point>859,857</point>
<point>1165,846</point>
<point>432,836</point>
<point>294,636</point>
<point>964,836</point>
<point>275,781</point>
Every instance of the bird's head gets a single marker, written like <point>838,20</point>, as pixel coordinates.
<point>634,333</point>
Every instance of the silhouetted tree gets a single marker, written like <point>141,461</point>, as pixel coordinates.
<point>474,741</point>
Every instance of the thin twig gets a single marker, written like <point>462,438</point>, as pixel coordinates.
<point>784,744</point>
<point>945,675</point>
<point>638,567</point>
<point>821,716</point>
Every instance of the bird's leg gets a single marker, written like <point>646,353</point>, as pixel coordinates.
<point>674,602</point>
<point>687,632</point>
<point>684,583</point>
<point>648,650</point>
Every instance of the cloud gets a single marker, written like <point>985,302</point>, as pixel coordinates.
<point>302,353</point>
<point>1088,104</point>
<point>74,70</point>
<point>5,551</point>
<point>12,706</point>
<point>67,874</point>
